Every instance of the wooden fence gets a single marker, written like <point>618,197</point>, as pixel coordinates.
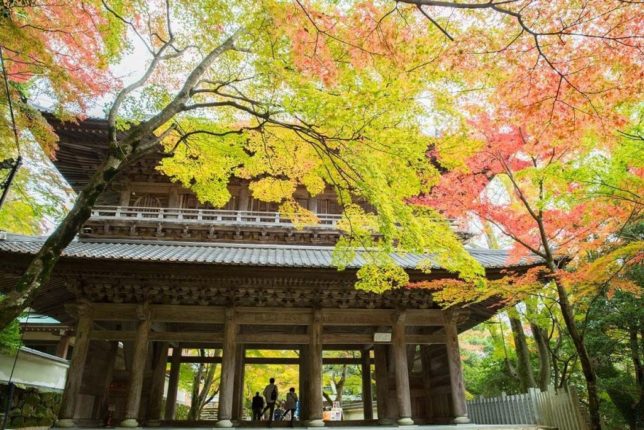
<point>552,408</point>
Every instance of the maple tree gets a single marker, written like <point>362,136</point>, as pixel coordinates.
<point>557,196</point>
<point>548,166</point>
<point>324,95</point>
<point>279,121</point>
<point>60,50</point>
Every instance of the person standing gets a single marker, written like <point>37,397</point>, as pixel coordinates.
<point>270,394</point>
<point>257,406</point>
<point>291,404</point>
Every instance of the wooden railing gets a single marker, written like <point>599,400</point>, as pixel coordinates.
<point>202,216</point>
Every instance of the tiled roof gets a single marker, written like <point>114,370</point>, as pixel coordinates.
<point>231,253</point>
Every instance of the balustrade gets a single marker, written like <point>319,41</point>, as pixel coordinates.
<point>202,216</point>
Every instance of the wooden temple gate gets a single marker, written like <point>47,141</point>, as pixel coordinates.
<point>430,332</point>
<point>139,281</point>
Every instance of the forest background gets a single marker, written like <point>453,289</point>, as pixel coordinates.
<point>520,119</point>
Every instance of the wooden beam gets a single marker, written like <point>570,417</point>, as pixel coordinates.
<point>273,338</point>
<point>346,338</point>
<point>273,316</point>
<point>424,317</point>
<point>265,315</point>
<point>357,317</point>
<point>187,314</point>
<point>160,313</point>
<point>425,339</point>
<point>114,311</point>
<point>270,360</point>
<point>261,338</point>
<point>167,336</point>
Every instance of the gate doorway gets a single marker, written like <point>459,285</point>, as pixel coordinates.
<point>259,366</point>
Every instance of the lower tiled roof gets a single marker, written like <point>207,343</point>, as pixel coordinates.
<point>232,253</point>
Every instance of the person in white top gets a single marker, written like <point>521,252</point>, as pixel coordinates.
<point>291,404</point>
<point>270,394</point>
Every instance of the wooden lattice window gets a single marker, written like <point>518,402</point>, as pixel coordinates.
<point>260,206</point>
<point>329,206</point>
<point>147,201</point>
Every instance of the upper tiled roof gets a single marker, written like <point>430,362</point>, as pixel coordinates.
<point>231,254</point>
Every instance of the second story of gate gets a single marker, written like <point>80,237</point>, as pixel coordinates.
<point>142,203</point>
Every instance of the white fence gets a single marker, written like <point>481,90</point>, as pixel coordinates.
<point>203,216</point>
<point>552,408</point>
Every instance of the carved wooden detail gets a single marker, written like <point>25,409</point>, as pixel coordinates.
<point>206,233</point>
<point>251,292</point>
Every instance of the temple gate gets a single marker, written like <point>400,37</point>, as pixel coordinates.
<point>154,273</point>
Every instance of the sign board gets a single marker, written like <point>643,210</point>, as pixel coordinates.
<point>382,337</point>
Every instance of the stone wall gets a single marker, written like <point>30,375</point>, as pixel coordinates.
<point>30,408</point>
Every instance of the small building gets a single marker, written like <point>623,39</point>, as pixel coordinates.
<point>157,272</point>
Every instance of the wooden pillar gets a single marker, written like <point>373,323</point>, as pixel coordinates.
<point>226,386</point>
<point>367,401</point>
<point>382,382</point>
<point>455,369</point>
<point>159,364</point>
<point>124,199</point>
<point>244,197</point>
<point>173,198</point>
<point>76,366</point>
<point>62,347</point>
<point>238,395</point>
<point>173,384</point>
<point>139,357</point>
<point>411,357</point>
<point>392,399</point>
<point>304,382</point>
<point>426,361</point>
<point>103,404</point>
<point>401,372</point>
<point>315,370</point>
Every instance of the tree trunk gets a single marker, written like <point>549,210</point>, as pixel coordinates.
<point>524,368</point>
<point>582,352</point>
<point>41,266</point>
<point>120,154</point>
<point>193,413</point>
<point>541,340</point>
<point>636,347</point>
<point>202,389</point>
<point>543,350</point>
<point>339,384</point>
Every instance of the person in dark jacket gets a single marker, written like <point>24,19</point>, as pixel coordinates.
<point>257,406</point>
<point>271,394</point>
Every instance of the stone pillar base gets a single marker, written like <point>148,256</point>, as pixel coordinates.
<point>154,423</point>
<point>405,422</point>
<point>224,424</point>
<point>129,423</point>
<point>65,423</point>
<point>315,423</point>
<point>462,420</point>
